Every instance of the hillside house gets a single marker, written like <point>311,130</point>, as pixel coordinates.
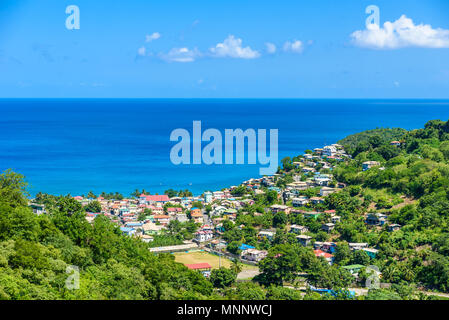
<point>304,239</point>
<point>328,227</point>
<point>253,254</point>
<point>369,164</point>
<point>298,229</point>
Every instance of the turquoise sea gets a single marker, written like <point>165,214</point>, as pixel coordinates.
<point>74,146</point>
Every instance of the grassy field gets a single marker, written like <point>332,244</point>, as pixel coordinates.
<point>213,260</point>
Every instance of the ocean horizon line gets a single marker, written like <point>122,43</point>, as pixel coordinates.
<point>218,98</point>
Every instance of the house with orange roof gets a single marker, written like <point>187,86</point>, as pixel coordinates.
<point>327,256</point>
<point>162,219</point>
<point>197,215</point>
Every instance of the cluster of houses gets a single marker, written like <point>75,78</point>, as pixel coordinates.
<point>149,215</point>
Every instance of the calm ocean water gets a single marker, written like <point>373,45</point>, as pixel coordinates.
<point>73,146</point>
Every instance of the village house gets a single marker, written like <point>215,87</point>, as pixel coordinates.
<point>298,229</point>
<point>369,164</point>
<point>218,195</point>
<point>127,231</point>
<point>376,219</point>
<point>156,210</point>
<point>135,225</point>
<point>208,197</point>
<point>325,246</point>
<point>153,199</point>
<point>357,246</point>
<point>328,227</point>
<point>253,254</point>
<point>300,201</point>
<point>298,185</point>
<point>217,244</point>
<point>266,234</point>
<point>173,210</point>
<point>327,256</point>
<point>308,169</point>
<point>146,238</point>
<point>150,227</point>
<point>322,179</point>
<point>38,208</point>
<point>354,269</point>
<point>203,235</point>
<point>280,208</point>
<point>329,151</point>
<point>217,211</point>
<point>197,216</point>
<point>162,219</point>
<point>204,268</point>
<point>325,191</point>
<point>372,253</point>
<point>335,219</point>
<point>304,239</point>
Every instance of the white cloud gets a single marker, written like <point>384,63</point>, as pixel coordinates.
<point>271,47</point>
<point>400,34</point>
<point>296,46</point>
<point>181,55</point>
<point>232,47</point>
<point>153,36</point>
<point>141,51</point>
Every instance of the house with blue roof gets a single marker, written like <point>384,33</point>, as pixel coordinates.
<point>246,247</point>
<point>128,231</point>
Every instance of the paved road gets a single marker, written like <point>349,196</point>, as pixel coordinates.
<point>247,274</point>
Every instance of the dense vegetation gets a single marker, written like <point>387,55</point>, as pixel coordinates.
<point>412,187</point>
<point>35,252</point>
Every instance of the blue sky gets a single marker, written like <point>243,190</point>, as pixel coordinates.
<point>224,49</point>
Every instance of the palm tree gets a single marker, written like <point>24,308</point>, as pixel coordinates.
<point>236,266</point>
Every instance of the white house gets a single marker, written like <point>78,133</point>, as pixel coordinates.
<point>329,151</point>
<point>204,235</point>
<point>298,229</point>
<point>300,201</point>
<point>369,164</point>
<point>254,254</point>
<point>267,234</point>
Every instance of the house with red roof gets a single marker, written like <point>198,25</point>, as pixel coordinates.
<point>327,256</point>
<point>172,210</point>
<point>204,267</point>
<point>152,199</point>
